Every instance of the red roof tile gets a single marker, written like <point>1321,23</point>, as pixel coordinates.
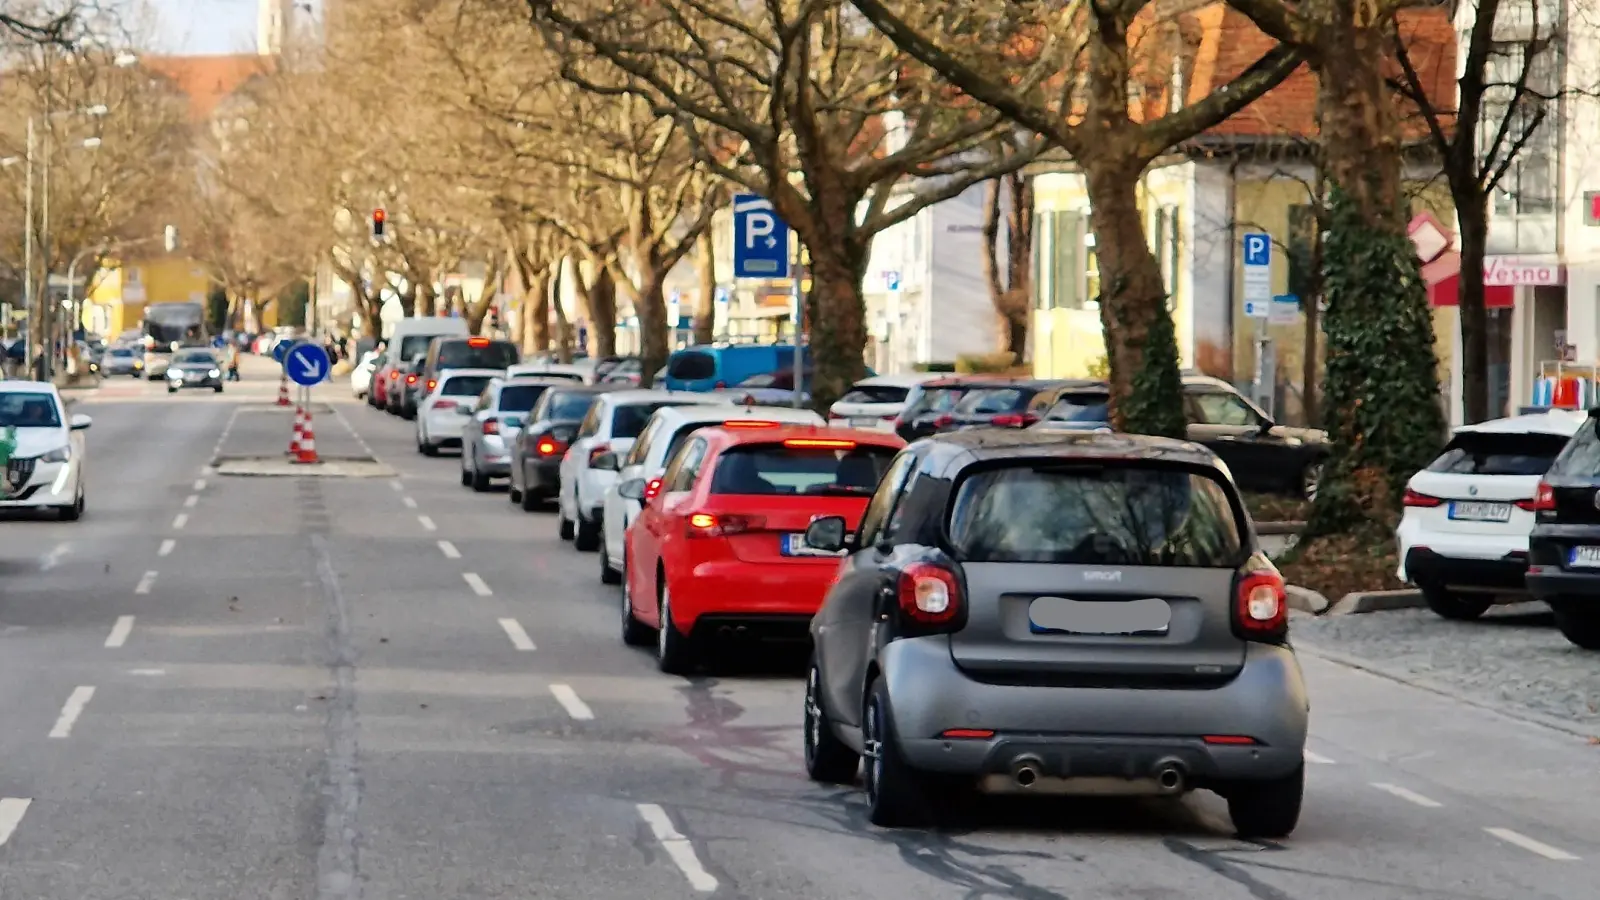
<point>208,80</point>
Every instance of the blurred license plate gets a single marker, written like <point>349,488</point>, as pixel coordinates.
<point>795,545</point>
<point>859,422</point>
<point>1479,511</point>
<point>193,377</point>
<point>1585,556</point>
<point>1059,615</point>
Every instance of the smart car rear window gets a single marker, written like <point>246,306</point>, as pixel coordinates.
<point>1489,453</point>
<point>772,469</point>
<point>1094,514</point>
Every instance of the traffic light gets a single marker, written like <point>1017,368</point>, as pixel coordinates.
<point>379,218</point>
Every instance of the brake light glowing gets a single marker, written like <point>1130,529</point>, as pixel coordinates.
<point>548,447</point>
<point>597,451</point>
<point>652,488</point>
<point>819,444</point>
<point>749,423</point>
<point>703,525</point>
<point>411,379</point>
<point>491,426</point>
<point>1418,499</point>
<point>1544,500</point>
<point>969,733</point>
<point>944,421</point>
<point>1262,606</point>
<point>478,342</point>
<point>394,374</point>
<point>432,384</point>
<point>1014,420</point>
<point>929,594</point>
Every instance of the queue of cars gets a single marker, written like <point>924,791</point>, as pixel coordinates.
<point>992,607</point>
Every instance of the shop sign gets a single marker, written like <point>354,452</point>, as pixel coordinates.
<point>1520,271</point>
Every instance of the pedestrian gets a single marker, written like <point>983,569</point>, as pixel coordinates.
<point>233,362</point>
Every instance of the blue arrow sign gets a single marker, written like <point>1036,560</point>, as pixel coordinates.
<point>760,239</point>
<point>307,364</point>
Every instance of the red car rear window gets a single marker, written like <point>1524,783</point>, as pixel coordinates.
<point>774,469</point>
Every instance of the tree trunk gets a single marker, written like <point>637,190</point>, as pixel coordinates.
<point>422,299</point>
<point>563,325</point>
<point>836,318</point>
<point>536,315</point>
<point>1019,264</point>
<point>1311,366</point>
<point>1472,214</point>
<point>602,294</point>
<point>992,213</point>
<point>651,307</point>
<point>705,311</point>
<point>1359,134</point>
<point>1141,343</point>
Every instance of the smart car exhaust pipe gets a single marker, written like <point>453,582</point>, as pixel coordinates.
<point>1169,777</point>
<point>1025,771</point>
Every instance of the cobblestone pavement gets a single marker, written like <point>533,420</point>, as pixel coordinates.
<point>1513,657</point>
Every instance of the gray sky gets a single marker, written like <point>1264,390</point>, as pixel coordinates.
<point>205,26</point>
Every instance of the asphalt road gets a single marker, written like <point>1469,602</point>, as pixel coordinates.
<point>252,687</point>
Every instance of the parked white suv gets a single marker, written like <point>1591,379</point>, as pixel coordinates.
<point>874,403</point>
<point>666,431</point>
<point>612,424</point>
<point>1463,539</point>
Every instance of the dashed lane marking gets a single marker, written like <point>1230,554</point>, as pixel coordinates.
<point>1317,759</point>
<point>679,848</point>
<point>146,583</point>
<point>478,585</point>
<point>1407,795</point>
<point>180,521</point>
<point>1531,845</point>
<point>191,501</point>
<point>200,484</point>
<point>427,523</point>
<point>569,700</point>
<point>519,635</point>
<point>396,485</point>
<point>166,547</point>
<point>120,631</point>
<point>53,558</point>
<point>147,671</point>
<point>449,550</point>
<point>410,502</point>
<point>12,809</point>
<point>70,712</point>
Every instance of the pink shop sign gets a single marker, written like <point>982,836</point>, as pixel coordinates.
<point>1512,271</point>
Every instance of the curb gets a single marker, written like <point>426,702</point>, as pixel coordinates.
<point>1306,600</point>
<point>1280,527</point>
<point>1362,602</point>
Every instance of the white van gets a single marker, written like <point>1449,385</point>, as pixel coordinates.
<point>410,337</point>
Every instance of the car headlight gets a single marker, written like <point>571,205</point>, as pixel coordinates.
<point>174,373</point>
<point>215,373</point>
<point>58,455</point>
<point>138,364</point>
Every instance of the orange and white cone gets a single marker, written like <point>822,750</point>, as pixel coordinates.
<point>283,390</point>
<point>307,452</point>
<point>299,430</point>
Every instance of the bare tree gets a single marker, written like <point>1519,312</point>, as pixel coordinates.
<point>1008,266</point>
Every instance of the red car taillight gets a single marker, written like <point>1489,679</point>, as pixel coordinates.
<point>549,447</point>
<point>1417,499</point>
<point>597,451</point>
<point>394,374</point>
<point>1262,607</point>
<point>1543,501</point>
<point>411,379</point>
<point>1014,420</point>
<point>443,405</point>
<point>944,421</point>
<point>652,488</point>
<point>929,594</point>
<point>490,426</point>
<point>702,525</point>
<point>432,384</point>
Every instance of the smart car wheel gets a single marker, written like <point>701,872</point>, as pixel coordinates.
<point>895,791</point>
<point>634,632</point>
<point>674,656</point>
<point>1267,809</point>
<point>828,760</point>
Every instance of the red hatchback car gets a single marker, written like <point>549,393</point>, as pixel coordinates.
<point>719,547</point>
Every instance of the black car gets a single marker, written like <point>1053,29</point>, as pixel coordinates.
<point>536,457</point>
<point>1564,546</point>
<point>194,369</point>
<point>404,395</point>
<point>930,406</point>
<point>465,353</point>
<point>1262,455</point>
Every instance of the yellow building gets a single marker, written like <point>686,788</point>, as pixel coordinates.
<point>118,293</point>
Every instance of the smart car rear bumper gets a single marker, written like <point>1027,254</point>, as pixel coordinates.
<point>1097,732</point>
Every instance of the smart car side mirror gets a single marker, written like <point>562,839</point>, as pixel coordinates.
<point>80,422</point>
<point>605,462</point>
<point>827,533</point>
<point>632,489</point>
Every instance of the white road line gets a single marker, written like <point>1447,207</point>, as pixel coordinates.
<point>53,558</point>
<point>1407,795</point>
<point>200,484</point>
<point>678,847</point>
<point>146,583</point>
<point>449,550</point>
<point>180,521</point>
<point>147,671</point>
<point>427,523</point>
<point>72,710</point>
<point>120,631</point>
<point>478,585</point>
<point>190,501</point>
<point>1317,759</point>
<point>166,547</point>
<point>568,698</point>
<point>1531,845</point>
<point>410,503</point>
<point>12,809</point>
<point>519,636</point>
<point>397,485</point>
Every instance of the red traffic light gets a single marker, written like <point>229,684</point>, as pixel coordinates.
<point>378,216</point>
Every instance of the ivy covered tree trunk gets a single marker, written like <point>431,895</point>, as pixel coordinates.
<point>1019,263</point>
<point>1141,343</point>
<point>836,320</point>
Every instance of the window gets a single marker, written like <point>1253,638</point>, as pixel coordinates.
<point>464,386</point>
<point>1301,251</point>
<point>769,469</point>
<point>686,365</point>
<point>520,397</point>
<point>684,468</point>
<point>884,499</point>
<point>1057,259</point>
<point>934,400</point>
<point>1492,453</point>
<point>1580,458</point>
<point>28,410</point>
<point>591,423</point>
<point>875,393</point>
<point>641,447</point>
<point>461,354</point>
<point>414,346</point>
<point>682,436</point>
<point>628,419</point>
<point>1528,187</point>
<point>568,407</point>
<point>1166,249</point>
<point>993,400</point>
<point>1094,514</point>
<point>1080,408</point>
<point>485,400</point>
<point>1224,409</point>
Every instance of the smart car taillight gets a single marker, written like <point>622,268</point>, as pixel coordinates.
<point>929,594</point>
<point>1544,500</point>
<point>1261,608</point>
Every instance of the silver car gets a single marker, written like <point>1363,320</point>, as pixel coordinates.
<point>1056,613</point>
<point>501,411</point>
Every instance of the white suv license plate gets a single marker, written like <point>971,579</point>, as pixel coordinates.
<point>859,422</point>
<point>1060,615</point>
<point>1584,557</point>
<point>1479,511</point>
<point>795,545</point>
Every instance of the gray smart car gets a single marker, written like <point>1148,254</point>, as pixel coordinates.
<point>1056,613</point>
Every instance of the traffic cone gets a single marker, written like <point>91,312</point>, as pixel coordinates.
<point>307,452</point>
<point>283,390</point>
<point>299,430</point>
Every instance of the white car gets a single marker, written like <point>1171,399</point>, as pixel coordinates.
<point>666,431</point>
<point>46,467</point>
<point>1463,539</point>
<point>361,375</point>
<point>606,435</point>
<point>564,371</point>
<point>447,409</point>
<point>873,403</point>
